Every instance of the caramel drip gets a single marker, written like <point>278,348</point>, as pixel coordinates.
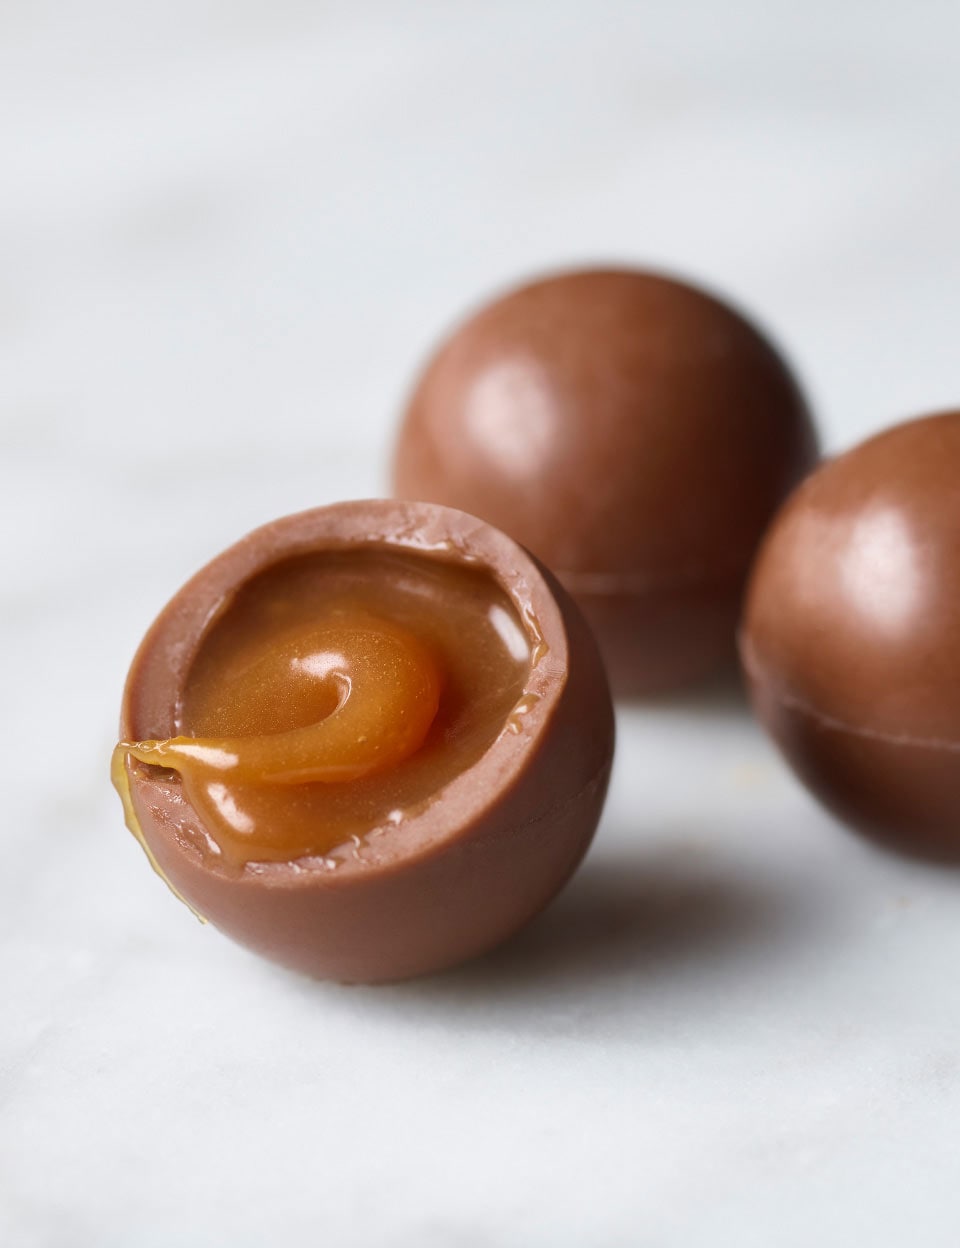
<point>120,777</point>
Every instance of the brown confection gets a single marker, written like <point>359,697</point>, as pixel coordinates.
<point>368,741</point>
<point>851,637</point>
<point>633,432</point>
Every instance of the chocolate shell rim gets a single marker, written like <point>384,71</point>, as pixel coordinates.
<point>162,662</point>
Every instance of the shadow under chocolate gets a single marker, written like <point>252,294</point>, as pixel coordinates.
<point>628,923</point>
<point>723,692</point>
<point>631,918</point>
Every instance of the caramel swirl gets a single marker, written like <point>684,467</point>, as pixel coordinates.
<point>346,702</point>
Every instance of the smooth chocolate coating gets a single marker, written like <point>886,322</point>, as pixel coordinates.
<point>450,880</point>
<point>851,637</point>
<point>633,432</point>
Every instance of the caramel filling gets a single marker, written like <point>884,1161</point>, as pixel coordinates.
<point>336,694</point>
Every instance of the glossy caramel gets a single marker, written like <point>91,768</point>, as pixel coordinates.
<point>334,694</point>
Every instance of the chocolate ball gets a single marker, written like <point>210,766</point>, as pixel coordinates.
<point>634,433</point>
<point>461,858</point>
<point>851,637</point>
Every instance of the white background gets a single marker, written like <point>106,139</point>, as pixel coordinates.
<point>228,233</point>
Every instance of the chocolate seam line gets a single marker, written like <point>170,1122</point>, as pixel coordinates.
<point>640,583</point>
<point>792,702</point>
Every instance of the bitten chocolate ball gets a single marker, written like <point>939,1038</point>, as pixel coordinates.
<point>636,434</point>
<point>367,741</point>
<point>851,638</point>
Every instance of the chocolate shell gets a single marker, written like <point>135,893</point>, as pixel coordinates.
<point>851,636</point>
<point>633,432</point>
<point>452,879</point>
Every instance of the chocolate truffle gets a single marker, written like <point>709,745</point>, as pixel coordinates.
<point>633,432</point>
<point>368,741</point>
<point>851,636</point>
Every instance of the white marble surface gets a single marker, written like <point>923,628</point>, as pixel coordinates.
<point>227,232</point>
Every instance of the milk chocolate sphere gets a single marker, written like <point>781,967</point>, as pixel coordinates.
<point>851,637</point>
<point>636,434</point>
<point>436,852</point>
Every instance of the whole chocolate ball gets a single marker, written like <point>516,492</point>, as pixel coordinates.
<point>636,435</point>
<point>851,637</point>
